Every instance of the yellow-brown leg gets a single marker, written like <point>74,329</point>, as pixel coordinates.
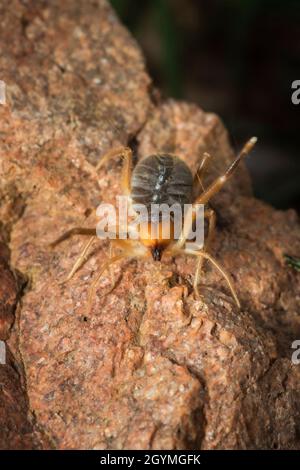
<point>126,154</point>
<point>121,244</point>
<point>73,231</point>
<point>213,189</point>
<point>84,253</point>
<point>211,216</point>
<point>93,287</point>
<point>218,184</point>
<point>81,259</point>
<point>111,255</point>
<point>198,178</point>
<point>128,251</point>
<point>208,214</point>
<point>226,276</point>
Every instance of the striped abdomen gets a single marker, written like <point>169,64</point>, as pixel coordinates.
<point>161,179</point>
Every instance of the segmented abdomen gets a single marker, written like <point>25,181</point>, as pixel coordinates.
<point>161,179</point>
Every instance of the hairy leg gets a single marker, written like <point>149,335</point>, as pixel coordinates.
<point>213,189</point>
<point>226,276</point>
<point>81,259</point>
<point>126,154</point>
<point>84,253</point>
<point>218,184</point>
<point>211,216</point>
<point>93,287</point>
<point>73,231</point>
<point>198,178</point>
<point>130,249</point>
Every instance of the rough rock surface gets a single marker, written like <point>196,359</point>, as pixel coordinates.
<point>149,367</point>
<point>16,431</point>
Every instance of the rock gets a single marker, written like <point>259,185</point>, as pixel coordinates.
<point>149,367</point>
<point>8,294</point>
<point>16,429</point>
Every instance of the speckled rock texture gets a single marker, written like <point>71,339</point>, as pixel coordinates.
<point>16,427</point>
<point>150,366</point>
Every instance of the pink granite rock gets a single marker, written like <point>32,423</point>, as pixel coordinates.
<point>149,367</point>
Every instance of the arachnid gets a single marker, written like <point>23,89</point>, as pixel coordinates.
<point>162,178</point>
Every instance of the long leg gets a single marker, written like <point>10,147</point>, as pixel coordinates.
<point>116,243</point>
<point>126,153</point>
<point>208,213</point>
<point>111,255</point>
<point>219,182</point>
<point>211,216</point>
<point>73,231</point>
<point>128,251</point>
<point>81,259</point>
<point>84,253</point>
<point>93,287</point>
<point>198,178</point>
<point>214,188</point>
<point>226,276</point>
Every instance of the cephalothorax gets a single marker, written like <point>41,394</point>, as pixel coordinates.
<point>162,179</point>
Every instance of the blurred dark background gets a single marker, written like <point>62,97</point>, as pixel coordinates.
<point>237,58</point>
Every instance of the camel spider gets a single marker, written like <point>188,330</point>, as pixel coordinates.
<point>161,178</point>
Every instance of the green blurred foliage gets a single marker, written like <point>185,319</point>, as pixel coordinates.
<point>237,58</point>
<point>164,25</point>
<point>234,16</point>
<point>293,262</point>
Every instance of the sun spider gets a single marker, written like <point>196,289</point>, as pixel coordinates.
<point>161,178</point>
